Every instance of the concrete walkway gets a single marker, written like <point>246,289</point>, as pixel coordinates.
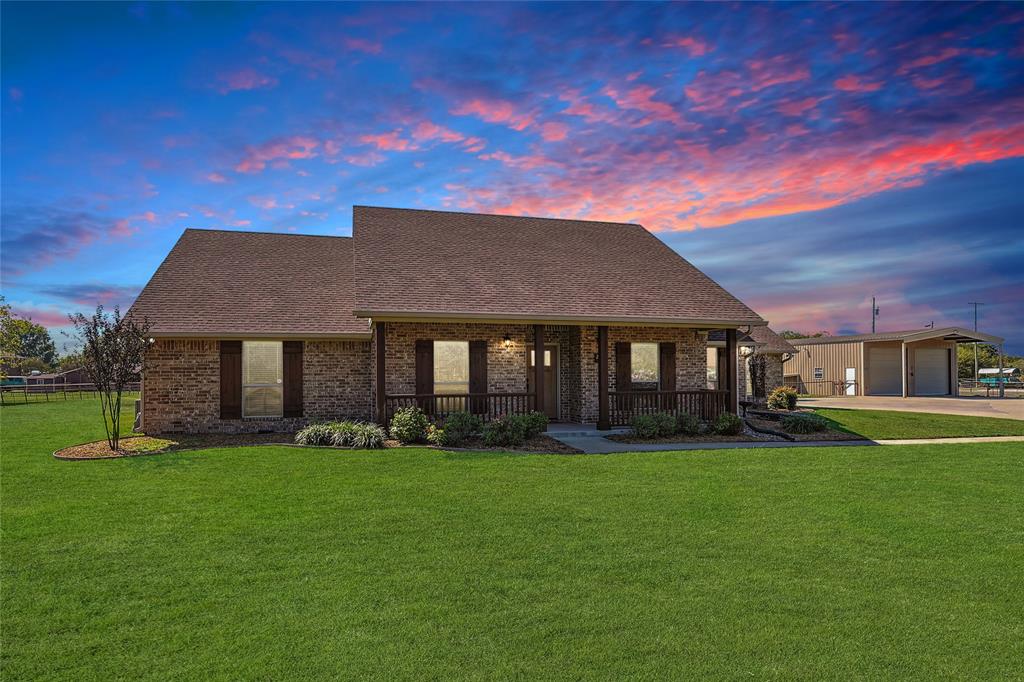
<point>595,444</point>
<point>1005,408</point>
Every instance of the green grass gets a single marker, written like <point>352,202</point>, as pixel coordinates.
<point>886,424</point>
<point>275,562</point>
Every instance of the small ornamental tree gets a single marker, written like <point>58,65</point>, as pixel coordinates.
<point>113,352</point>
<point>758,374</point>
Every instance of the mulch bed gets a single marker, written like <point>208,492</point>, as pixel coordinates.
<point>829,434</point>
<point>703,438</point>
<point>541,443</point>
<point>129,447</point>
<point>135,446</point>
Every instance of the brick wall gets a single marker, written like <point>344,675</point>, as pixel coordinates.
<point>181,387</point>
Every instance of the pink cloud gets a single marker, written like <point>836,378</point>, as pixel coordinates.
<point>216,178</point>
<point>553,131</point>
<point>243,79</point>
<point>854,83</point>
<point>16,94</point>
<point>278,149</point>
<point>392,141</point>
<point>361,45</point>
<point>694,46</point>
<point>797,107</point>
<point>641,98</point>
<point>495,111</point>
<point>48,317</point>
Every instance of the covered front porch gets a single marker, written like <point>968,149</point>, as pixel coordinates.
<point>589,374</point>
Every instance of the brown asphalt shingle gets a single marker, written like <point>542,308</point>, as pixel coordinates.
<point>413,261</point>
<point>251,283</point>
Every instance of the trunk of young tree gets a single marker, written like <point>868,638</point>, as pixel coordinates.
<point>113,353</point>
<point>758,374</point>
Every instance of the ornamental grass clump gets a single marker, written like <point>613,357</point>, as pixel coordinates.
<point>315,434</point>
<point>409,425</point>
<point>343,434</point>
<point>782,398</point>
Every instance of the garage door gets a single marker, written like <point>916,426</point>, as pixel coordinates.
<point>931,371</point>
<point>884,369</point>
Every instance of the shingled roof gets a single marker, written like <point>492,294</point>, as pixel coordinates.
<point>224,283</point>
<point>439,264</point>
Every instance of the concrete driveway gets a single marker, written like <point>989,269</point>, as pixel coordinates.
<point>1007,408</point>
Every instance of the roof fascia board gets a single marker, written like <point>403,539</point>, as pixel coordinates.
<point>431,316</point>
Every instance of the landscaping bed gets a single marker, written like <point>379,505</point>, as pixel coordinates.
<point>748,435</point>
<point>774,426</point>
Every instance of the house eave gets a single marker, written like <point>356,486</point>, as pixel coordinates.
<point>533,318</point>
<point>235,335</point>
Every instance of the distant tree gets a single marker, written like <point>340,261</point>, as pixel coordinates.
<point>10,339</point>
<point>70,361</point>
<point>114,348</point>
<point>36,342</point>
<point>790,334</point>
<point>988,356</point>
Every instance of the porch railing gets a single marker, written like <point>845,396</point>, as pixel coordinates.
<point>488,406</point>
<point>625,405</point>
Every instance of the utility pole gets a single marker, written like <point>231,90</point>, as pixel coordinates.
<point>975,343</point>
<point>874,314</point>
<point>930,325</point>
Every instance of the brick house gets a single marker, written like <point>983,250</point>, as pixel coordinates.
<point>759,340</point>
<point>259,331</point>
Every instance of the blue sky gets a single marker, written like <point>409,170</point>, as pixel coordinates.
<point>808,156</point>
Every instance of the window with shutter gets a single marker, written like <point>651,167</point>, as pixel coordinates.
<point>262,379</point>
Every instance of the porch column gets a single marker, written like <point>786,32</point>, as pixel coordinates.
<point>903,364</point>
<point>379,346</point>
<point>603,422</point>
<point>538,367</point>
<point>731,372</point>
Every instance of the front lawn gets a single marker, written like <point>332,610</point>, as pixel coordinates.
<point>885,424</point>
<point>275,562</point>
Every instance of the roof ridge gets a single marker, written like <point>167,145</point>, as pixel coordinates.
<point>276,234</point>
<point>497,215</point>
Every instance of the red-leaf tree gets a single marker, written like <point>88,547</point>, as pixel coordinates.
<point>113,351</point>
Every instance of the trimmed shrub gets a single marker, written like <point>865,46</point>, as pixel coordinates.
<point>658,425</point>
<point>458,428</point>
<point>315,434</point>
<point>728,424</point>
<point>505,432</point>
<point>409,425</point>
<point>688,425</point>
<point>804,423</point>
<point>536,423</point>
<point>782,398</point>
<point>666,423</point>
<point>435,436</point>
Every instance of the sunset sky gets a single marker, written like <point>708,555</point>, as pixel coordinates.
<point>806,156</point>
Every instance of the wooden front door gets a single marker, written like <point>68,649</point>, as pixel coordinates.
<point>550,378</point>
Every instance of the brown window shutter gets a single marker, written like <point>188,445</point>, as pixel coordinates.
<point>623,367</point>
<point>425,372</point>
<point>667,366</point>
<point>720,369</point>
<point>292,378</point>
<point>478,375</point>
<point>667,374</point>
<point>230,379</point>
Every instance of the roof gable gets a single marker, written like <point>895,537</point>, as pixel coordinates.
<point>412,263</point>
<point>225,283</point>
